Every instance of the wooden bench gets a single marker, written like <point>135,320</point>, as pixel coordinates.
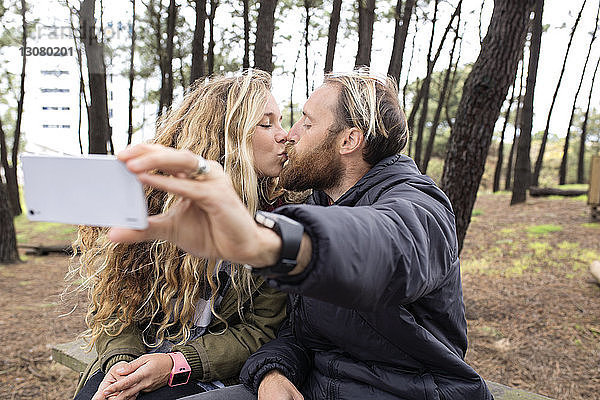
<point>71,355</point>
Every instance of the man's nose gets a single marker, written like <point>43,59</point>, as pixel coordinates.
<point>293,135</point>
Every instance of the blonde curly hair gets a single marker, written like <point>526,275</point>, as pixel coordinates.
<point>156,284</point>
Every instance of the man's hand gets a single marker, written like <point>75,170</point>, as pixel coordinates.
<point>144,374</point>
<point>209,220</point>
<point>275,386</point>
<point>111,377</point>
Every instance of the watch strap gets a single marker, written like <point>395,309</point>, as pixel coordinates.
<point>180,368</point>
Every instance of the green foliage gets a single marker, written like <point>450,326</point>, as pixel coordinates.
<point>544,229</point>
<point>593,225</point>
<point>28,232</point>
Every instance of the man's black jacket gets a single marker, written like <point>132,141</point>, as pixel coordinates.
<point>381,313</point>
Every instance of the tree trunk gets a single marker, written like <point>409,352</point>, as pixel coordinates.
<point>425,89</point>
<point>453,83</point>
<point>400,34</point>
<point>562,171</point>
<point>441,101</point>
<point>265,28</point>
<point>246,60</point>
<point>156,21</point>
<point>197,70</point>
<point>498,170</point>
<point>366,19</point>
<point>483,94</point>
<point>99,128</point>
<point>430,66</point>
<point>171,18</point>
<point>511,154</point>
<point>307,6</point>
<point>523,161</point>
<point>8,236</point>
<point>81,81</point>
<point>12,183</point>
<point>292,87</point>
<point>131,76</point>
<point>334,22</point>
<point>210,59</point>
<point>410,63</point>
<point>481,22</point>
<point>580,164</point>
<point>540,157</point>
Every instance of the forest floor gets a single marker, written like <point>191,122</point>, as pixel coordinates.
<point>533,309</point>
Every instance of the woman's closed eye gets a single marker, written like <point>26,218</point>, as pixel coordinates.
<point>265,125</point>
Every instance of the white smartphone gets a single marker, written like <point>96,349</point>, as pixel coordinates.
<point>95,190</point>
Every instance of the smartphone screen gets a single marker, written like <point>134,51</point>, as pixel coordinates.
<point>95,190</point>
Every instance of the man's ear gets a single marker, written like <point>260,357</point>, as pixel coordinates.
<point>352,139</point>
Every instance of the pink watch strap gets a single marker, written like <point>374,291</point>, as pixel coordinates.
<point>180,374</point>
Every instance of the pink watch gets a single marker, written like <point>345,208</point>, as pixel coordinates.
<point>180,374</point>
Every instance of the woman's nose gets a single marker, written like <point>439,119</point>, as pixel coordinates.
<point>280,135</point>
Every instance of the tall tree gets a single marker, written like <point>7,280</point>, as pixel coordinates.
<point>483,94</point>
<point>481,21</point>
<point>155,11</point>
<point>540,157</point>
<point>265,29</point>
<point>425,90</point>
<point>307,6</point>
<point>500,160</point>
<point>366,19</point>
<point>402,22</point>
<point>99,127</point>
<point>8,236</point>
<point>430,65</point>
<point>210,58</point>
<point>562,171</point>
<point>246,16</point>
<point>171,18</point>
<point>517,125</point>
<point>453,82</point>
<point>334,22</point>
<point>198,42</point>
<point>443,100</point>
<point>580,172</point>
<point>410,63</point>
<point>82,93</point>
<point>131,75</point>
<point>10,169</point>
<point>523,162</point>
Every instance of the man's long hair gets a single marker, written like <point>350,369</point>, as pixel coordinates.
<point>156,285</point>
<point>370,103</point>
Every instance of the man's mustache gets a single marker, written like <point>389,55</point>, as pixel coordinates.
<point>289,147</point>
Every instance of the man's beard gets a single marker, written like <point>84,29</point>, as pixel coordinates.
<point>319,169</point>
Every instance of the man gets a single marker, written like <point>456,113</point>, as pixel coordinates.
<point>376,310</point>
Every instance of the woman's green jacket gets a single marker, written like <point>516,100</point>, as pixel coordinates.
<point>217,355</point>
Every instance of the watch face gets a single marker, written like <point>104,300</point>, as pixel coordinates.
<point>180,378</point>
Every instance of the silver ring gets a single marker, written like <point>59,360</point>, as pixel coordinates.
<point>202,167</point>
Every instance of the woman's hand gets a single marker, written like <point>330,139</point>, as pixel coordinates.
<point>275,386</point>
<point>111,377</point>
<point>144,374</point>
<point>209,220</point>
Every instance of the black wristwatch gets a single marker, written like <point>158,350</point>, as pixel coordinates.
<point>290,232</point>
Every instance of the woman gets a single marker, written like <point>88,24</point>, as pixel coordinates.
<point>152,302</point>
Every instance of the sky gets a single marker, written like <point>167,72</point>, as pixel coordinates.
<point>558,15</point>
